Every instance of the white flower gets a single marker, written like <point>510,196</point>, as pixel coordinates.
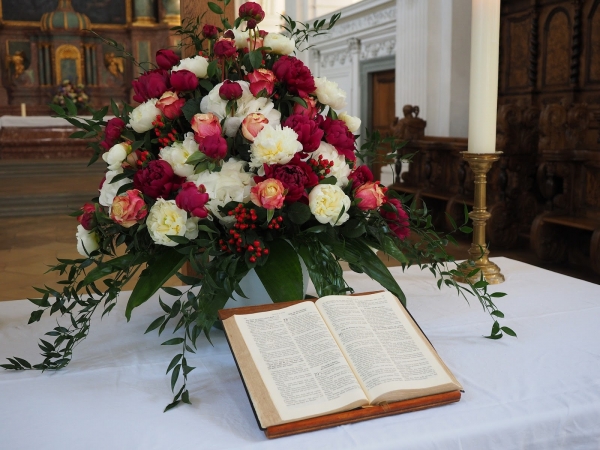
<point>108,191</point>
<point>241,38</point>
<point>87,241</point>
<point>340,168</point>
<point>177,154</point>
<point>353,123</point>
<point>246,104</point>
<point>141,118</point>
<point>115,156</point>
<point>329,93</point>
<point>165,218</point>
<point>198,65</point>
<point>326,202</point>
<point>232,183</point>
<point>274,146</point>
<point>280,44</point>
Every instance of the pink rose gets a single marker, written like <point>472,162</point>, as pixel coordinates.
<point>296,176</point>
<point>166,59</point>
<point>338,135</point>
<point>112,132</point>
<point>214,146</point>
<point>128,209</point>
<point>396,217</point>
<point>252,125</point>
<point>87,219</point>
<point>157,179</point>
<point>295,75</point>
<point>371,196</point>
<point>268,194</point>
<point>210,31</point>
<point>205,125</point>
<point>230,90</point>
<point>151,84</point>
<point>359,176</point>
<point>193,199</point>
<point>254,43</point>
<point>309,133</point>
<point>251,10</point>
<point>170,105</point>
<point>184,80</point>
<point>262,79</point>
<point>225,48</point>
<point>311,109</point>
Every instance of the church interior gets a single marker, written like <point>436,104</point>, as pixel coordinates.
<point>543,194</point>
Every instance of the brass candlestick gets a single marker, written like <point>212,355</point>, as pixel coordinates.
<point>478,253</point>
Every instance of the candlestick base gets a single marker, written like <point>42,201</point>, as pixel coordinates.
<point>478,253</point>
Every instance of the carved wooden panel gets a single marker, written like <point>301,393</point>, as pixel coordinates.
<point>557,49</point>
<point>593,189</point>
<point>517,59</point>
<point>594,43</point>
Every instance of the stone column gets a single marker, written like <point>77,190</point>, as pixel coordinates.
<point>144,12</point>
<point>172,12</point>
<point>354,100</point>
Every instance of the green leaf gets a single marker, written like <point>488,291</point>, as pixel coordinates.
<point>191,107</point>
<point>497,313</point>
<point>35,316</point>
<point>298,213</point>
<point>156,274</point>
<point>171,405</point>
<point>509,331</point>
<point>281,275</point>
<point>172,291</point>
<point>154,325</point>
<point>173,341</point>
<point>390,248</point>
<point>174,361</point>
<point>215,8</point>
<point>255,58</point>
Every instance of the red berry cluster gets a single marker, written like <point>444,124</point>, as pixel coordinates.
<point>245,219</point>
<point>322,166</point>
<point>274,224</point>
<point>159,126</point>
<point>142,156</point>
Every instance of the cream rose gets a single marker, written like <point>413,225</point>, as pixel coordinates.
<point>177,154</point>
<point>274,146</point>
<point>340,169</point>
<point>326,202</point>
<point>141,118</point>
<point>241,38</point>
<point>115,156</point>
<point>87,241</point>
<point>108,191</point>
<point>329,93</point>
<point>279,44</point>
<point>165,218</point>
<point>353,123</point>
<point>198,65</point>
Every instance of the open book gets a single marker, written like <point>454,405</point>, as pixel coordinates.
<point>339,353</point>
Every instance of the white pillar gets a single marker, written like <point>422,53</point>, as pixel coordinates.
<point>354,100</point>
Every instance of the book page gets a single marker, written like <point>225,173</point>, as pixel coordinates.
<point>391,357</point>
<point>299,362</point>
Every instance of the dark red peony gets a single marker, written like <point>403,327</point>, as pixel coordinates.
<point>87,218</point>
<point>396,217</point>
<point>295,75</point>
<point>210,31</point>
<point>359,176</point>
<point>296,176</point>
<point>309,133</point>
<point>230,90</point>
<point>225,48</point>
<point>338,135</point>
<point>151,84</point>
<point>251,10</point>
<point>112,132</point>
<point>157,179</point>
<point>184,80</point>
<point>214,146</point>
<point>193,199</point>
<point>166,59</point>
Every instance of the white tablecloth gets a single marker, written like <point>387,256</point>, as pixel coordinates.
<point>541,390</point>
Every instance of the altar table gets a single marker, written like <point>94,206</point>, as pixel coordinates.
<point>538,391</point>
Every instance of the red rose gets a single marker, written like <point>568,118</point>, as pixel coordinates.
<point>225,48</point>
<point>184,80</point>
<point>87,219</point>
<point>262,79</point>
<point>396,217</point>
<point>338,135</point>
<point>296,176</point>
<point>170,105</point>
<point>309,133</point>
<point>311,109</point>
<point>112,132</point>
<point>251,10</point>
<point>371,195</point>
<point>205,125</point>
<point>360,175</point>
<point>151,84</point>
<point>214,146</point>
<point>157,179</point>
<point>166,59</point>
<point>210,31</point>
<point>128,209</point>
<point>193,199</point>
<point>230,90</point>
<point>295,75</point>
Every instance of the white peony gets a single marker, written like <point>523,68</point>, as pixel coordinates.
<point>177,154</point>
<point>340,168</point>
<point>115,156</point>
<point>165,218</point>
<point>329,93</point>
<point>353,123</point>
<point>279,44</point>
<point>274,146</point>
<point>241,38</point>
<point>87,241</point>
<point>326,202</point>
<point>246,104</point>
<point>232,183</point>
<point>198,65</point>
<point>108,191</point>
<point>141,118</point>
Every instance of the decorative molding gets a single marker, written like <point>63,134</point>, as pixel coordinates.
<point>359,26</point>
<point>378,49</point>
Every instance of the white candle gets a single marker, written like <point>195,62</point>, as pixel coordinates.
<point>483,98</point>
<point>23,109</point>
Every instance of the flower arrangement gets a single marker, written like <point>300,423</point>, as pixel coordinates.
<point>235,159</point>
<point>68,93</point>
